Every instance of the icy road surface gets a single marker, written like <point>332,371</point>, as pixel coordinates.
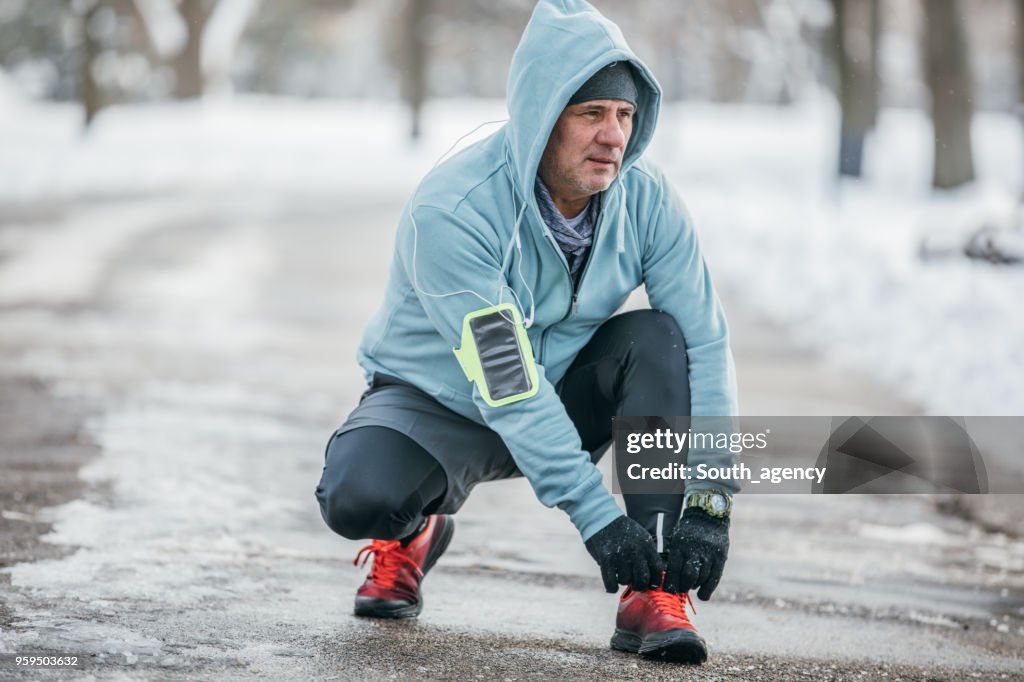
<point>209,342</point>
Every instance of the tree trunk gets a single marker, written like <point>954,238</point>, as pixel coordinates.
<point>413,61</point>
<point>857,29</point>
<point>949,79</point>
<point>89,89</point>
<point>1020,58</point>
<point>188,67</point>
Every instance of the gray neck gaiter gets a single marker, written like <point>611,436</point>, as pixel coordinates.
<point>574,237</point>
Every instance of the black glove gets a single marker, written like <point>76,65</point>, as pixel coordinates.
<point>627,555</point>
<point>696,553</point>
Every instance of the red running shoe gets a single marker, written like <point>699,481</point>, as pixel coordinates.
<point>392,590</point>
<point>653,623</point>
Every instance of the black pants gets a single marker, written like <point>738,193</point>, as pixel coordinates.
<point>379,483</point>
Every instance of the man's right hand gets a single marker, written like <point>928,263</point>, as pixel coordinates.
<point>627,555</point>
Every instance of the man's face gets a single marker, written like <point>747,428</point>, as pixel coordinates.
<point>586,146</point>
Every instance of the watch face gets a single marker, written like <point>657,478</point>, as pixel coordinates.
<point>718,503</point>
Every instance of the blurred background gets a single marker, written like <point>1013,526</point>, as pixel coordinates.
<point>198,201</point>
<point>855,167</point>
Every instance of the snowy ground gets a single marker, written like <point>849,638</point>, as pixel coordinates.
<point>838,265</point>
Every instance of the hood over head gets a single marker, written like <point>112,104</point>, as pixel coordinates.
<point>564,44</point>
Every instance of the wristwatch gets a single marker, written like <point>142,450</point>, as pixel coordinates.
<point>714,502</point>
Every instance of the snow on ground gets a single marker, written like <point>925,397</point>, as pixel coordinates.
<point>836,264</point>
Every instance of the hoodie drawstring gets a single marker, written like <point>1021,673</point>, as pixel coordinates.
<point>620,242</point>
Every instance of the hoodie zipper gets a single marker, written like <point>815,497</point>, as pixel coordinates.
<point>574,305</point>
<point>574,308</point>
<point>574,287</point>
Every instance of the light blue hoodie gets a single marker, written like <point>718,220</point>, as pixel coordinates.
<point>458,249</point>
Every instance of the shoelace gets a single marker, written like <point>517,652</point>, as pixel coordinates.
<point>672,604</point>
<point>388,558</point>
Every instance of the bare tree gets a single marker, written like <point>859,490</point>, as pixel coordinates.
<point>856,30</point>
<point>89,90</point>
<point>413,54</point>
<point>1020,57</point>
<point>949,79</point>
<point>188,67</point>
<point>187,61</point>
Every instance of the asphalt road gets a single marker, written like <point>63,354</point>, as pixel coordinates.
<point>170,369</point>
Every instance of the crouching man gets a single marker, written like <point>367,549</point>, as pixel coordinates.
<point>515,254</point>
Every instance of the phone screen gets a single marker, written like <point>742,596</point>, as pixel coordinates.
<point>501,357</point>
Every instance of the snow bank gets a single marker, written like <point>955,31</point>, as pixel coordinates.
<point>250,144</point>
<point>838,263</point>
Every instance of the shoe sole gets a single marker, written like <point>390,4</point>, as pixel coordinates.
<point>675,646</point>
<point>382,608</point>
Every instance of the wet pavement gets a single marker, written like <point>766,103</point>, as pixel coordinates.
<point>192,354</point>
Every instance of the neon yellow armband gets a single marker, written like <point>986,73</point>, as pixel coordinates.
<point>497,356</point>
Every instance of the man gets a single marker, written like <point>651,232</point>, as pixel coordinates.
<point>515,254</point>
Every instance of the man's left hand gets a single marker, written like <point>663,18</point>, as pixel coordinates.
<point>696,553</point>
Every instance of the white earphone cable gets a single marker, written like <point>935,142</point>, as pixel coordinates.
<point>515,241</point>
